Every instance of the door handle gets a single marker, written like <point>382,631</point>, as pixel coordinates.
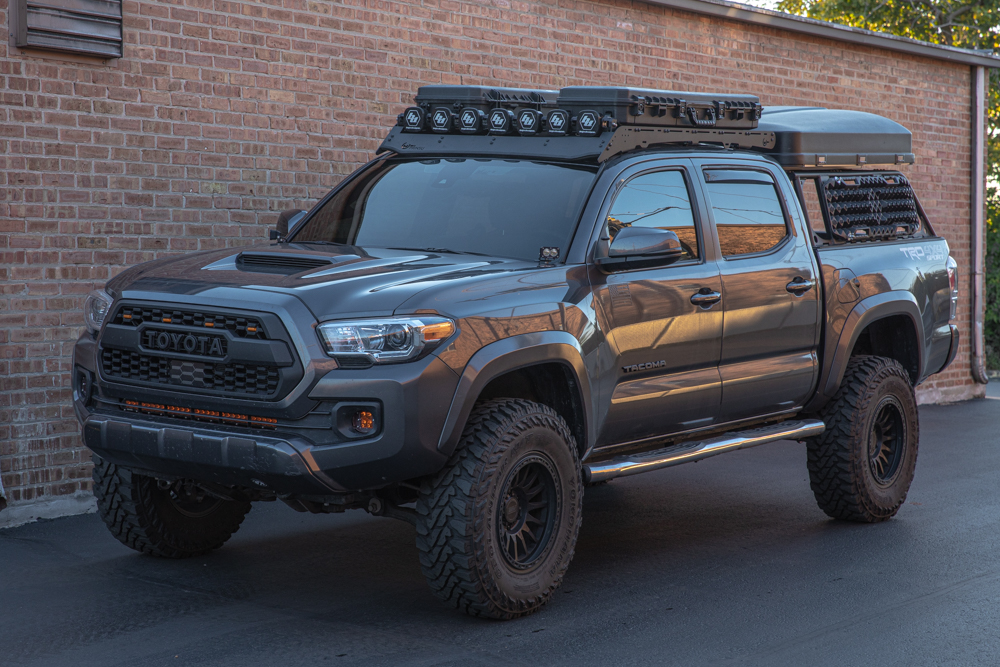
<point>798,287</point>
<point>706,297</point>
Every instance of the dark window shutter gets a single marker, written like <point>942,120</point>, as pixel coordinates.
<point>92,27</point>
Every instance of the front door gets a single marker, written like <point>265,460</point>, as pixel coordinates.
<point>664,321</point>
<point>770,293</point>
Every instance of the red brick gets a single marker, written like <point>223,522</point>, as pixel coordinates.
<point>221,113</point>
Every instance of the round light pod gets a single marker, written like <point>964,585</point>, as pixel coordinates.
<point>470,121</point>
<point>413,120</point>
<point>558,122</point>
<point>588,124</point>
<point>363,422</point>
<point>529,121</point>
<point>501,121</point>
<point>441,120</point>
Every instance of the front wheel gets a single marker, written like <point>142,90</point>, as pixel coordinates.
<point>861,467</point>
<point>175,520</point>
<point>497,527</point>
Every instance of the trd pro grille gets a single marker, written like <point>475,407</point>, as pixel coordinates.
<point>240,379</point>
<point>243,327</point>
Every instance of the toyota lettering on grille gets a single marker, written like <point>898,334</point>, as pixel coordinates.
<point>184,343</point>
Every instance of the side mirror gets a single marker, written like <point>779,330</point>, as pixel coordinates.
<point>287,220</point>
<point>633,244</point>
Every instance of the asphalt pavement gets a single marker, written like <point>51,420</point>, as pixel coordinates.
<point>726,561</point>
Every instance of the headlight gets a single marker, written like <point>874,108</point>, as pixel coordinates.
<point>95,308</point>
<point>385,340</point>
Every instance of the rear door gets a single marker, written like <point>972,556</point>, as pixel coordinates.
<point>770,288</point>
<point>665,346</point>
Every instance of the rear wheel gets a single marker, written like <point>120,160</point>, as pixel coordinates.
<point>172,520</point>
<point>497,527</point>
<point>861,467</point>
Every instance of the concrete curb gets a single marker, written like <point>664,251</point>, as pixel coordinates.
<point>18,514</point>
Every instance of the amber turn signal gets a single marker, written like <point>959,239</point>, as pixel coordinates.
<point>437,330</point>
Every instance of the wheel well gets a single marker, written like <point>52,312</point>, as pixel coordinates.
<point>551,384</point>
<point>894,337</point>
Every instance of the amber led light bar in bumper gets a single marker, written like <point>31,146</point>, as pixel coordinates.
<point>212,416</point>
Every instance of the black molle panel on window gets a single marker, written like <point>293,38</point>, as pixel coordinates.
<point>872,207</point>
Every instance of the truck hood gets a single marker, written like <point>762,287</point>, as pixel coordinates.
<point>332,281</point>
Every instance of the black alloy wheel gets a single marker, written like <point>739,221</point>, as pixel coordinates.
<point>187,499</point>
<point>887,441</point>
<point>528,513</point>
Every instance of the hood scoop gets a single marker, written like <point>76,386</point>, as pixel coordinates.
<point>283,263</point>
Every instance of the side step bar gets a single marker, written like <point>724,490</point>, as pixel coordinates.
<point>696,450</point>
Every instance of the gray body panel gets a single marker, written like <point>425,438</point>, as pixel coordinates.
<point>759,352</point>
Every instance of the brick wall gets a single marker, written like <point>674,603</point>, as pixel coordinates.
<point>221,113</point>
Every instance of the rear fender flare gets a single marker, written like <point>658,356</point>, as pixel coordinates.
<point>871,309</point>
<point>511,354</point>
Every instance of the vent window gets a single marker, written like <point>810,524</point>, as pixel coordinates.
<point>90,27</point>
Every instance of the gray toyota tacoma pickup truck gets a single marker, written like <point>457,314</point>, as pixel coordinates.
<point>527,292</point>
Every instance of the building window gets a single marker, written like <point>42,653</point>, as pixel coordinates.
<point>91,27</point>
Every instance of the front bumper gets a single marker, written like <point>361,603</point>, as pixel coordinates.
<point>257,462</point>
<point>296,457</point>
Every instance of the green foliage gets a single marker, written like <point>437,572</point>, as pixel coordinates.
<point>991,319</point>
<point>968,25</point>
<point>972,24</point>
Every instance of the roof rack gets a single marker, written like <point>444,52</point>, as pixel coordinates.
<point>597,123</point>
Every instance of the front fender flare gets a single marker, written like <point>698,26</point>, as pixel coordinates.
<point>508,355</point>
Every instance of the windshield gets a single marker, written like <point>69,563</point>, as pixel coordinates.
<point>504,208</point>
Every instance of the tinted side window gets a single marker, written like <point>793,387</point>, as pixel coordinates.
<point>660,200</point>
<point>748,214</point>
<point>810,194</point>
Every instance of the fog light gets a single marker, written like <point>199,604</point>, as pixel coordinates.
<point>82,386</point>
<point>363,422</point>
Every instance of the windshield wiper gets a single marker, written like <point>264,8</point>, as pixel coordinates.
<point>447,250</point>
<point>318,242</point>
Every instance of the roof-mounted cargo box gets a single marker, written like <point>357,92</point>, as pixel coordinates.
<point>817,137</point>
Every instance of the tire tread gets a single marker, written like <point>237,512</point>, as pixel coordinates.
<point>450,547</point>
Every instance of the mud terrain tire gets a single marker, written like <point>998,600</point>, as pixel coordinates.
<point>861,467</point>
<point>496,528</point>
